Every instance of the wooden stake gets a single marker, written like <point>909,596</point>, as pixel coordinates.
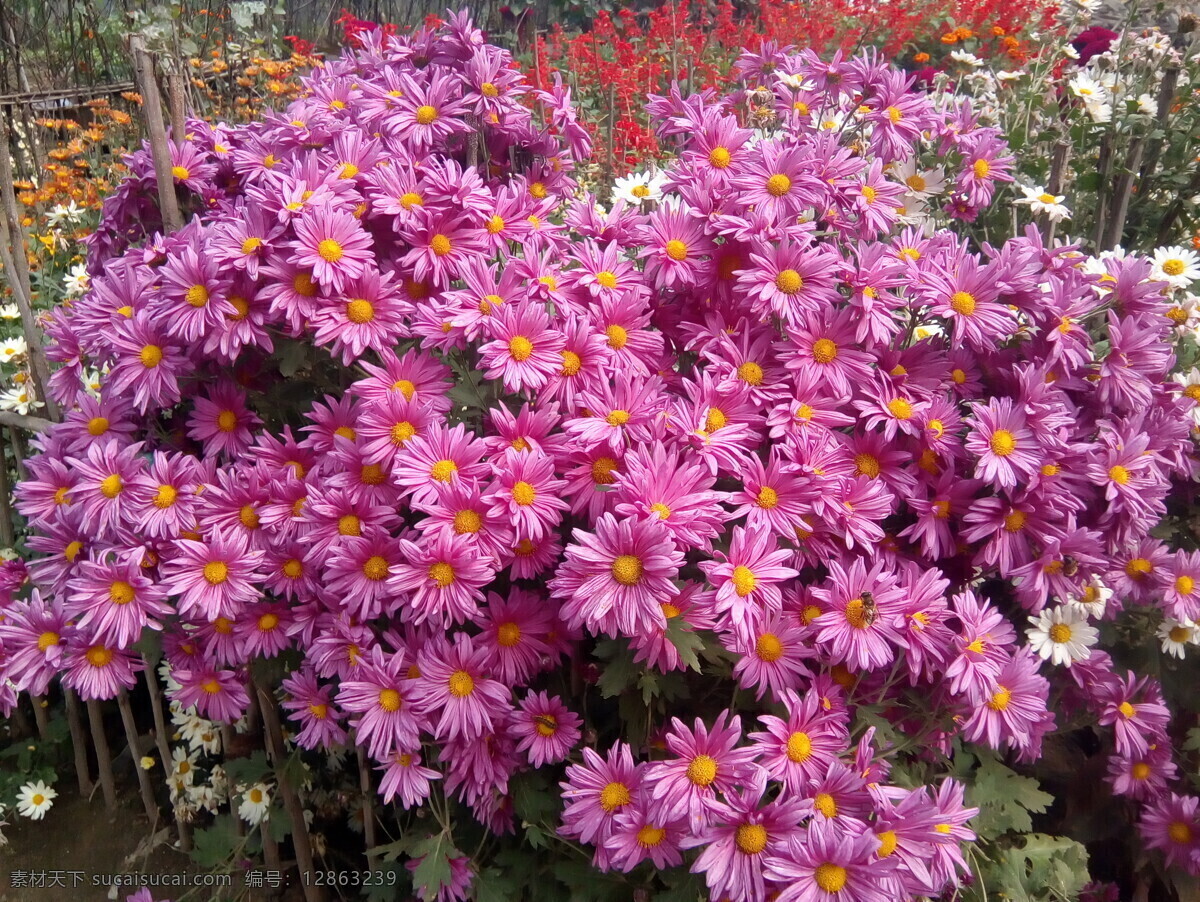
<point>131,736</point>
<point>164,747</point>
<point>12,251</point>
<point>103,756</point>
<point>39,715</point>
<point>143,66</point>
<point>368,803</point>
<point>8,535</point>
<point>78,743</point>
<point>291,799</point>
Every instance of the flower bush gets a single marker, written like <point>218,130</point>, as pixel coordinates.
<point>740,539</point>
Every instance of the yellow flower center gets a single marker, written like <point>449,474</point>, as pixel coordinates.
<point>1173,267</point>
<point>743,580</point>
<point>268,622</point>
<point>197,296</point>
<point>111,486</point>
<point>702,770</point>
<point>677,250</point>
<point>1118,474</point>
<point>487,89</point>
<point>443,470</point>
<point>401,433</point>
<point>1000,699</point>
<point>216,572</point>
<point>856,614</point>
<point>461,684</point>
<point>778,185</point>
<point>869,194</point>
<point>523,493</point>
<point>99,656</point>
<point>467,521</point>
<point>640,191</point>
<point>227,421</point>
<point>613,796</point>
<point>788,281</point>
<point>251,244</point>
<point>618,417</point>
<point>767,498</point>
<point>825,804</point>
<point>1184,584</point>
<point>508,634</point>
<point>303,285</point>
<point>1002,443</point>
<point>1179,832</point>
<point>981,168</point>
<point>715,419</point>
<point>627,569</point>
<point>1140,771</point>
<point>330,251</point>
<point>180,173</point>
<point>442,574</point>
<point>650,836</point>
<point>520,348</point>
<point>293,568</point>
<point>830,877</point>
<point>360,311</point>
<point>662,510</point>
<point>572,363</point>
<point>1060,633</point>
<point>375,568</point>
<point>1138,569</point>
<point>120,592</point>
<point>603,469</point>
<point>389,700</point>
<point>617,337</point>
<point>426,114</point>
<point>248,516</point>
<point>751,838</point>
<point>750,373</point>
<point>900,408</point>
<point>151,356</point>
<point>799,747</point>
<point>916,182</point>
<point>1014,521</point>
<point>824,350</point>
<point>1127,710</point>
<point>720,157</point>
<point>440,245</point>
<point>866,465</point>
<point>72,551</point>
<point>768,648</point>
<point>962,303</point>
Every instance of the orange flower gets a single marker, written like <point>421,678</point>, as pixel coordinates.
<point>998,31</point>
<point>921,58</point>
<point>950,38</point>
<point>132,97</point>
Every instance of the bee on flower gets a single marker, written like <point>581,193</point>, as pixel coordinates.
<point>639,188</point>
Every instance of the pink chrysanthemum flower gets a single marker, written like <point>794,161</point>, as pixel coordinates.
<point>101,486</point>
<point>831,865</point>
<point>799,750</point>
<point>218,695</point>
<point>515,630</point>
<point>1013,711</point>
<point>772,658</point>
<point>360,574</point>
<point>791,280</point>
<point>525,352</point>
<point>97,670</point>
<point>34,635</point>
<point>1005,448</point>
<point>311,706</point>
<point>747,579</point>
<point>706,763</point>
<point>638,835</point>
<point>441,579</point>
<point>404,776</point>
<point>369,315</point>
<point>333,245</point>
<point>1171,824</point>
<point>115,600</point>
<point>526,490</point>
<point>378,695</point>
<point>222,422</point>
<point>453,684</point>
<point>213,577</point>
<point>859,626</point>
<point>547,728</point>
<point>615,580</point>
<point>148,365</point>
<point>439,457</point>
<point>596,791</point>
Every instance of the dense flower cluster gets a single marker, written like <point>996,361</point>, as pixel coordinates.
<point>762,415</point>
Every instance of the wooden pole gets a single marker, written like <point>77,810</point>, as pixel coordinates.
<point>291,799</point>
<point>78,743</point>
<point>39,715</point>
<point>143,66</point>
<point>8,535</point>
<point>103,756</point>
<point>368,803</point>
<point>131,736</point>
<point>164,748</point>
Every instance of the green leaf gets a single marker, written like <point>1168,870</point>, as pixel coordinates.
<point>279,824</point>
<point>433,872</point>
<point>681,887</point>
<point>394,850</point>
<point>1039,869</point>
<point>686,641</point>
<point>620,671</point>
<point>246,771</point>
<point>215,844</point>
<point>492,885</point>
<point>533,800</point>
<point>1005,799</point>
<point>388,888</point>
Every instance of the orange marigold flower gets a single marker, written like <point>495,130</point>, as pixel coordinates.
<point>950,38</point>
<point>921,58</point>
<point>998,31</point>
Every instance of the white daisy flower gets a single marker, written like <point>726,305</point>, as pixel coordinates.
<point>1147,105</point>
<point>13,349</point>
<point>640,187</point>
<point>60,214</point>
<point>1094,599</point>
<point>10,312</point>
<point>77,281</point>
<point>1176,636</point>
<point>1040,201</point>
<point>920,182</point>
<point>1190,383</point>
<point>830,120</point>
<point>796,82</point>
<point>1088,89</point>
<point>35,799</point>
<point>19,399</point>
<point>183,764</point>
<point>967,59</point>
<point>1177,265</point>
<point>1005,77</point>
<point>256,803</point>
<point>1062,636</point>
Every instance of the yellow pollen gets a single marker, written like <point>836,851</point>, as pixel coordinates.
<point>1140,771</point>
<point>523,493</point>
<point>941,509</point>
<point>1000,699</point>
<point>603,469</point>
<point>440,245</point>
<point>856,614</point>
<point>72,551</point>
<point>401,433</point>
<point>330,251</point>
<point>778,185</point>
<point>830,877</point>
<point>1127,710</point>
<point>640,191</point>
<point>617,337</point>
<point>241,308</point>
<point>375,568</point>
<point>251,244</point>
<point>916,182</point>
<point>520,348</point>
<point>360,311</point>
<point>1174,267</point>
<point>349,525</point>
<point>900,408</point>
<point>1060,633</point>
<point>467,522</point>
<point>211,687</point>
<point>99,656</point>
<point>405,387</point>
<point>443,470</point>
<point>825,804</point>
<point>617,417</point>
<point>788,281</point>
<point>546,724</point>
<point>572,363</point>
<point>743,580</point>
<point>111,486</point>
<point>303,285</point>
<point>1002,443</point>
<point>670,611</point>
<point>1014,521</point>
<point>981,168</point>
<point>750,373</point>
<point>216,572</point>
<point>627,569</point>
<point>1118,474</point>
<point>613,796</point>
<point>268,622</point>
<point>751,838</point>
<point>508,634</point>
<point>869,194</point>
<point>410,199</point>
<point>715,419</point>
<point>799,747</point>
<point>538,190</point>
<point>197,296</point>
<point>824,350</point>
<point>120,592</point>
<point>248,516</point>
<point>442,574</point>
<point>227,421</point>
<point>702,771</point>
<point>768,648</point>
<point>389,700</point>
<point>650,836</point>
<point>962,303</point>
<point>1138,569</point>
<point>662,510</point>
<point>1179,832</point>
<point>866,465</point>
<point>151,356</point>
<point>676,250</point>
<point>720,157</point>
<point>293,568</point>
<point>461,684</point>
<point>346,432</point>
<point>487,89</point>
<point>47,640</point>
<point>426,114</point>
<point>767,498</point>
<point>180,173</point>
<point>887,843</point>
<point>1184,584</point>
